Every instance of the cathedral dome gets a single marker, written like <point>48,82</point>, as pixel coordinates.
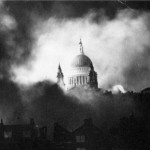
<point>81,61</point>
<point>82,71</point>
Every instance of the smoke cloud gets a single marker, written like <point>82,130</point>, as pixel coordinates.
<point>116,47</point>
<point>47,104</point>
<point>15,40</point>
<point>11,106</point>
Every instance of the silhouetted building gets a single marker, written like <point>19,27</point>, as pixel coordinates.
<point>23,136</point>
<point>131,133</point>
<point>86,137</point>
<point>62,138</point>
<point>146,91</point>
<point>18,132</point>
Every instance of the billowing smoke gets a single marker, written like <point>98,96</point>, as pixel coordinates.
<point>117,47</point>
<point>7,26</point>
<point>15,40</point>
<point>11,106</point>
<point>47,103</point>
<point>41,35</point>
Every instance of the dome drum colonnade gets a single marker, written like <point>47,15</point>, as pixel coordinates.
<point>79,73</point>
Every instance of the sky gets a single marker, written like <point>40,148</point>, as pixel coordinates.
<point>37,36</point>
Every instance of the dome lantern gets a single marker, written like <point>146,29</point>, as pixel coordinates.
<point>81,47</point>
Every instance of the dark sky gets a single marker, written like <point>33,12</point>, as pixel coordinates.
<point>21,10</point>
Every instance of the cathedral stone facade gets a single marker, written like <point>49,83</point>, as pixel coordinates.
<point>81,73</point>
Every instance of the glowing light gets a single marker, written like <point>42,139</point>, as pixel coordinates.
<point>118,89</point>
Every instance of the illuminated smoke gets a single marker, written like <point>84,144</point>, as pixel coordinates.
<point>118,89</point>
<point>114,46</point>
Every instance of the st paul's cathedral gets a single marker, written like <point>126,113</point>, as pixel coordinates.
<point>82,73</point>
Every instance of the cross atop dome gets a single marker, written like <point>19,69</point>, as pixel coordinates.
<point>81,47</point>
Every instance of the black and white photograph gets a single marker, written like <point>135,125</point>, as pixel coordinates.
<point>74,75</point>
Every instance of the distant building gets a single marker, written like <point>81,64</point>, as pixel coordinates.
<point>86,137</point>
<point>82,73</point>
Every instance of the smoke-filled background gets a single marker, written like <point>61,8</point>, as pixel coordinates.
<point>36,36</point>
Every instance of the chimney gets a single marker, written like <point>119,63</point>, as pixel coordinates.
<point>32,121</point>
<point>1,121</point>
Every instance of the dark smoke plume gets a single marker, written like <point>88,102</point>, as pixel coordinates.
<point>48,104</point>
<point>11,106</point>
